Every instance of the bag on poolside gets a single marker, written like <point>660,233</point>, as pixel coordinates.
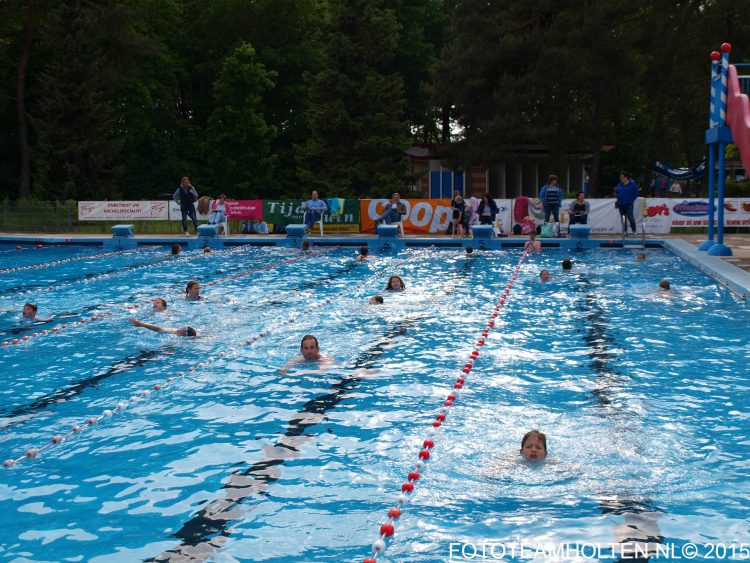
<point>247,227</point>
<point>547,230</point>
<point>262,228</point>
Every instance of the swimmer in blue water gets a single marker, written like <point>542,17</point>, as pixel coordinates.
<point>29,312</point>
<point>310,352</point>
<point>183,331</point>
<point>395,283</point>
<point>545,276</point>
<point>534,445</point>
<point>364,253</point>
<point>193,291</point>
<point>375,300</point>
<point>160,305</point>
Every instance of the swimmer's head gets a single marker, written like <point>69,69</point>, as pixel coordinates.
<point>376,300</point>
<point>395,283</point>
<point>176,248</point>
<point>206,249</point>
<point>364,250</point>
<point>193,289</point>
<point>534,445</point>
<point>305,245</point>
<point>309,347</point>
<point>640,257</point>
<point>29,311</point>
<point>469,249</point>
<point>160,304</point>
<point>544,275</point>
<point>186,331</point>
<point>567,264</point>
<point>664,284</point>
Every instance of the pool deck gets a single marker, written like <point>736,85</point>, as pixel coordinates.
<point>731,271</point>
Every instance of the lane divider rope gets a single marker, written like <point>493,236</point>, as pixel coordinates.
<point>387,528</point>
<point>66,260</point>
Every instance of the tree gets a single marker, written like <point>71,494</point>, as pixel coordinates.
<point>238,137</point>
<point>355,117</point>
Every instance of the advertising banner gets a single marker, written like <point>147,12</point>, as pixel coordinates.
<point>122,210</point>
<point>342,215</point>
<point>422,215</point>
<point>237,210</point>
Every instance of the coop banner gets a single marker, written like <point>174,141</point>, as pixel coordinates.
<point>122,210</point>
<point>342,215</point>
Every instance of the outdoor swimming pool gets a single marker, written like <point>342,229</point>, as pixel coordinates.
<point>644,397</point>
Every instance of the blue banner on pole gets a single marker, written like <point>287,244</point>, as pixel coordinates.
<point>679,173</point>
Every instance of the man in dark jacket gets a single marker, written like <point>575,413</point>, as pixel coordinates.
<point>186,196</point>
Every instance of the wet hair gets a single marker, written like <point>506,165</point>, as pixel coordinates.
<point>567,264</point>
<point>176,248</point>
<point>190,284</point>
<point>641,256</point>
<point>388,285</point>
<point>309,337</point>
<point>162,300</point>
<point>32,306</point>
<point>469,249</point>
<point>364,250</point>
<point>305,245</point>
<point>206,249</point>
<point>533,433</point>
<point>378,299</point>
<point>664,284</point>
<point>190,331</point>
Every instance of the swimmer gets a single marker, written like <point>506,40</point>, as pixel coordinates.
<point>364,252</point>
<point>640,257</point>
<point>176,248</point>
<point>395,283</point>
<point>567,264</point>
<point>310,352</point>
<point>532,245</point>
<point>206,250</point>
<point>664,284</point>
<point>375,300</point>
<point>184,331</point>
<point>193,291</point>
<point>160,305</point>
<point>305,245</point>
<point>29,312</point>
<point>469,250</point>
<point>545,276</point>
<point>534,445</point>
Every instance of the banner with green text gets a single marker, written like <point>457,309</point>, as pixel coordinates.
<point>342,215</point>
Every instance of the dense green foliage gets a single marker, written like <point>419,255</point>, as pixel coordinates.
<point>102,99</point>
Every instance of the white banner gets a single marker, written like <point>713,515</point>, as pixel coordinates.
<point>176,215</point>
<point>122,210</point>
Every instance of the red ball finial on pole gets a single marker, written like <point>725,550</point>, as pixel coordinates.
<point>726,47</point>
<point>715,55</point>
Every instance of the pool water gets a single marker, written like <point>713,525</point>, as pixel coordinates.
<point>643,395</point>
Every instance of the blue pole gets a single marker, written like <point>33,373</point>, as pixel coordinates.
<point>713,121</point>
<point>722,138</point>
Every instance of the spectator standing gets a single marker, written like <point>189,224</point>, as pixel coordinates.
<point>551,195</point>
<point>626,192</point>
<point>186,195</point>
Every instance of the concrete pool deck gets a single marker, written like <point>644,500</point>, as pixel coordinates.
<point>731,271</point>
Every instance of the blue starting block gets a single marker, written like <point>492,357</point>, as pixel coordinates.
<point>482,231</point>
<point>388,231</point>
<point>208,231</point>
<point>579,231</point>
<point>125,231</point>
